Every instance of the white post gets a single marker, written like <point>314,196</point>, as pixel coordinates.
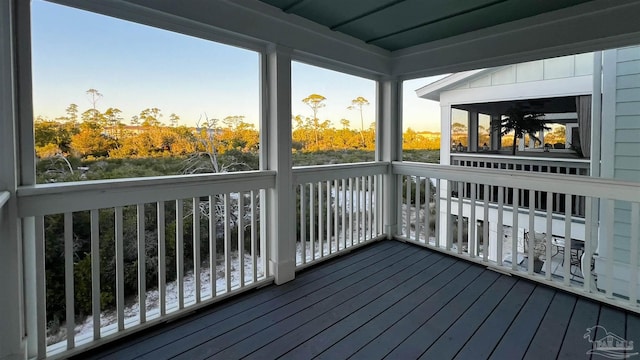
<point>472,230</point>
<point>607,139</point>
<point>493,240</point>
<point>594,170</point>
<point>596,115</point>
<point>12,344</point>
<point>280,200</point>
<point>389,122</point>
<point>445,134</point>
<point>473,131</point>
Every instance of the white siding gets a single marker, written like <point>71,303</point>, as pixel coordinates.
<point>627,116</point>
<point>561,67</point>
<point>504,76</point>
<point>530,71</point>
<point>584,64</point>
<point>480,82</point>
<point>622,98</point>
<point>548,69</point>
<point>627,141</point>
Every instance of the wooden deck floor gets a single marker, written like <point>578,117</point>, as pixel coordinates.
<point>388,300</point>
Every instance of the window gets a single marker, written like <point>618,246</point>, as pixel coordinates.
<point>421,123</point>
<point>484,132</point>
<point>333,117</point>
<point>459,130</point>
<point>115,99</point>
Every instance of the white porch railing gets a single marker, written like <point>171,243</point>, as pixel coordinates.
<point>338,208</point>
<point>529,165</point>
<point>171,245</point>
<point>522,163</point>
<point>171,225</point>
<point>492,233</point>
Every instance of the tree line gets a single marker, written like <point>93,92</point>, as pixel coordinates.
<point>93,134</point>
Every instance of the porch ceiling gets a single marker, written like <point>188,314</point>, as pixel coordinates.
<point>566,104</point>
<point>399,24</point>
<point>401,38</point>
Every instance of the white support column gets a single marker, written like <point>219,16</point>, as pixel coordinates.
<point>473,131</point>
<point>596,115</point>
<point>607,137</point>
<point>389,92</point>
<point>445,134</point>
<point>280,200</point>
<point>594,170</point>
<point>12,344</point>
<point>445,159</point>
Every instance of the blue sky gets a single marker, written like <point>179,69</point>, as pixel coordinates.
<point>137,67</point>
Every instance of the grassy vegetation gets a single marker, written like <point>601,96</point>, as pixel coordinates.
<point>423,156</point>
<point>56,169</point>
<point>306,158</point>
<point>353,156</point>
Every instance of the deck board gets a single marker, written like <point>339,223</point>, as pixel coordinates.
<point>484,340</point>
<point>548,339</point>
<point>278,322</point>
<point>372,326</point>
<point>338,310</point>
<point>335,324</point>
<point>447,345</point>
<point>585,314</point>
<point>267,314</point>
<point>374,315</point>
<point>414,345</point>
<point>516,340</point>
<point>388,340</point>
<point>612,321</point>
<point>387,300</point>
<point>309,282</point>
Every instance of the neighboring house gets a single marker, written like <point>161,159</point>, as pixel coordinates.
<point>478,98</point>
<point>473,102</point>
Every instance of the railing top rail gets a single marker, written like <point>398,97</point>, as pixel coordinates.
<point>79,196</point>
<point>312,168</point>
<point>519,159</point>
<point>559,183</point>
<point>135,182</point>
<point>305,174</point>
<point>4,197</point>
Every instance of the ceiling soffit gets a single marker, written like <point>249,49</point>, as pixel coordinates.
<point>394,25</point>
<point>256,24</point>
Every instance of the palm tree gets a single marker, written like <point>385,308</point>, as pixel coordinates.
<point>521,122</point>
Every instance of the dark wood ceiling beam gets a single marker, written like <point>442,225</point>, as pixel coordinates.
<point>365,14</point>
<point>440,19</point>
